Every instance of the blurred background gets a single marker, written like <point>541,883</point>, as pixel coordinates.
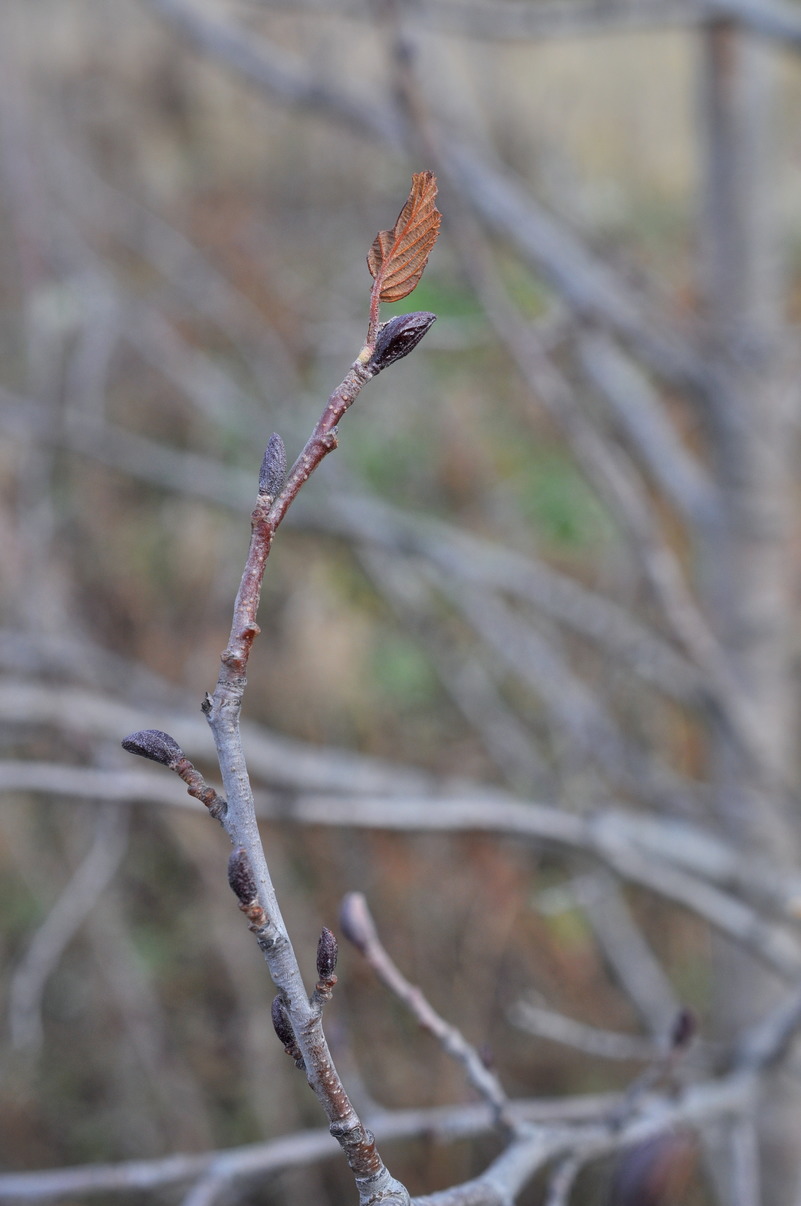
<point>467,598</point>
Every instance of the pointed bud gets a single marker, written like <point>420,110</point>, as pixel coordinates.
<point>273,467</point>
<point>153,744</point>
<point>327,951</point>
<point>398,337</point>
<point>240,876</point>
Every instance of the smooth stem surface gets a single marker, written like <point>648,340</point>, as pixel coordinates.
<point>223,712</point>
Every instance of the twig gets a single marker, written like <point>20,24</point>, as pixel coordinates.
<point>396,264</point>
<point>468,558</point>
<point>607,837</point>
<point>249,875</point>
<point>729,1097</point>
<point>744,1163</point>
<point>276,760</point>
<point>359,928</point>
<point>274,71</point>
<point>504,21</point>
<point>513,22</point>
<point>545,1023</point>
<point>628,954</point>
<point>764,1043</point>
<point>448,1123</point>
<point>375,522</point>
<point>575,710</point>
<point>562,1181</point>
<point>62,923</point>
<point>207,1190</point>
<point>472,686</point>
<point>640,413</point>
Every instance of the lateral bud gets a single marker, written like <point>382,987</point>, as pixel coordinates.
<point>327,951</point>
<point>240,876</point>
<point>283,1028</point>
<point>153,744</point>
<point>243,886</point>
<point>273,467</point>
<point>398,337</point>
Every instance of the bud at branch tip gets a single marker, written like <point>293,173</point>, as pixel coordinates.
<point>398,337</point>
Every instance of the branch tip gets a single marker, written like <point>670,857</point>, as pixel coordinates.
<point>155,745</point>
<point>355,920</point>
<point>397,337</point>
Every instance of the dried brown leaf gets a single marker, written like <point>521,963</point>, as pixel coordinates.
<point>398,256</point>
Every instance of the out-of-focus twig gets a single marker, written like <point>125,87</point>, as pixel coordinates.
<point>505,21</point>
<point>472,685</point>
<point>561,1181</point>
<point>68,914</point>
<point>304,1147</point>
<point>629,955</point>
<point>578,716</point>
<point>607,1044</point>
<point>640,414</point>
<point>273,71</point>
<point>375,522</point>
<point>610,837</point>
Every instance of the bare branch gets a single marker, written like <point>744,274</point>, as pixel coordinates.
<point>312,1146</point>
<point>375,522</point>
<point>359,928</point>
<point>471,685</point>
<point>468,558</point>
<point>62,923</point>
<point>611,837</point>
<point>641,415</point>
<point>504,21</point>
<point>275,72</point>
<point>628,954</point>
<point>607,1044</point>
<point>730,1097</point>
<point>562,1181</point>
<point>575,710</point>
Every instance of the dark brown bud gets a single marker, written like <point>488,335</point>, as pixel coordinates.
<point>282,1024</point>
<point>273,467</point>
<point>398,337</point>
<point>240,876</point>
<point>327,951</point>
<point>153,744</point>
<point>684,1028</point>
